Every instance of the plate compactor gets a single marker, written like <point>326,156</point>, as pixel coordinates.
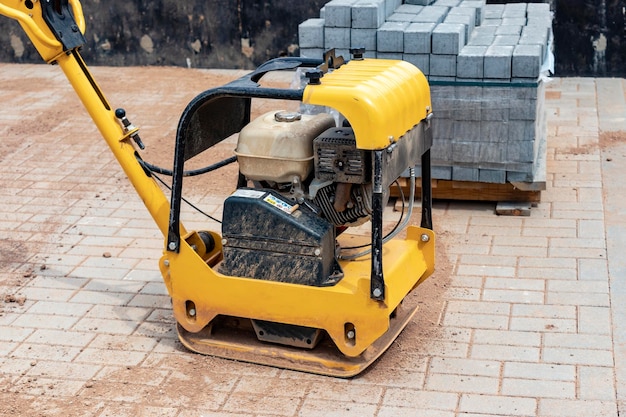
<point>284,284</point>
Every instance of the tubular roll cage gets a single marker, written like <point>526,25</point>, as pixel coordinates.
<point>211,117</point>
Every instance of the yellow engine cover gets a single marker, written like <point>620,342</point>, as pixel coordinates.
<point>382,99</point>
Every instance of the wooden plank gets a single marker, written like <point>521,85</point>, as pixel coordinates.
<point>472,191</point>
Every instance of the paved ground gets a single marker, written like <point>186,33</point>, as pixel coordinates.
<point>526,316</point>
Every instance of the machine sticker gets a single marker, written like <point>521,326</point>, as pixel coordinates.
<point>248,193</point>
<point>280,204</point>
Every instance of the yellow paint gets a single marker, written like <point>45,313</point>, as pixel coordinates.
<point>382,99</point>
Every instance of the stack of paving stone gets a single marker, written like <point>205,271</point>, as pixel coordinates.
<point>483,61</point>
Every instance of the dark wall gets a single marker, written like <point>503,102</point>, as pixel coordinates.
<point>201,33</point>
<point>590,35</point>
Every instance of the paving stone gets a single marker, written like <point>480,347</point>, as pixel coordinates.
<point>417,38</point>
<point>368,14</point>
<point>465,16</point>
<point>497,405</point>
<point>311,33</point>
<point>432,14</point>
<point>443,65</point>
<point>497,63</point>
<point>527,60</point>
<point>338,13</point>
<point>448,38</point>
<point>338,38</point>
<point>390,37</point>
<point>470,62</point>
<point>421,61</point>
<point>407,8</point>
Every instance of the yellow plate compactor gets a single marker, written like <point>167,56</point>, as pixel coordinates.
<point>279,286</point>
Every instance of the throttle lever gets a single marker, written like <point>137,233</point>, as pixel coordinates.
<point>129,127</point>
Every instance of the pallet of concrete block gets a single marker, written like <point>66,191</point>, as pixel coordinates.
<point>485,64</point>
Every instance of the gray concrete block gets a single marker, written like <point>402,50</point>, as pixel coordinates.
<point>465,20</point>
<point>441,172</point>
<point>492,22</point>
<point>535,92</point>
<point>448,38</point>
<point>496,131</point>
<point>391,6</point>
<point>464,174</point>
<point>409,9</point>
<point>338,13</point>
<point>312,52</point>
<point>514,21</point>
<point>365,38</point>
<point>442,65</point>
<point>465,11</point>
<point>492,153</point>
<point>400,17</point>
<point>506,40</point>
<point>522,130</point>
<point>535,38</point>
<point>493,11</point>
<point>421,61</point>
<point>432,14</point>
<point>466,130</point>
<point>443,127</point>
<point>527,61</point>
<point>537,8</point>
<point>485,31</point>
<point>470,62</point>
<point>497,63</point>
<point>338,38</point>
<point>440,79</point>
<point>468,108</point>
<point>441,149</point>
<point>478,6</point>
<point>509,30</point>
<point>465,152</point>
<point>390,37</point>
<point>512,176</point>
<point>311,33</point>
<point>447,3</point>
<point>389,55</point>
<point>419,2</point>
<point>368,14</point>
<point>523,110</point>
<point>481,40</point>
<point>495,110</point>
<point>322,12</point>
<point>514,10</point>
<point>417,38</point>
<point>494,176</point>
<point>539,20</point>
<point>520,151</point>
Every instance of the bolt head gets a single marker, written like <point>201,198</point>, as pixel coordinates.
<point>425,238</point>
<point>377,292</point>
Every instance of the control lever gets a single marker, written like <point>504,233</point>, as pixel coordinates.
<point>129,127</point>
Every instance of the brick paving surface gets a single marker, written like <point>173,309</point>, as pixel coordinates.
<point>528,325</point>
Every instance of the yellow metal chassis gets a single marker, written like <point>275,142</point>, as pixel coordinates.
<point>361,91</point>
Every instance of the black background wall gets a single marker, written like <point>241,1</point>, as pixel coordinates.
<point>590,35</point>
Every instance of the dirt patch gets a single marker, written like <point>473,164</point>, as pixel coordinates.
<point>610,139</point>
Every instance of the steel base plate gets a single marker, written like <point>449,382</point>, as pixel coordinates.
<point>234,338</point>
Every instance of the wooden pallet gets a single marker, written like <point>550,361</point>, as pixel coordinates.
<point>477,191</point>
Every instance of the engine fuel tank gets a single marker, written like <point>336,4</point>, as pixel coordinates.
<point>278,145</point>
